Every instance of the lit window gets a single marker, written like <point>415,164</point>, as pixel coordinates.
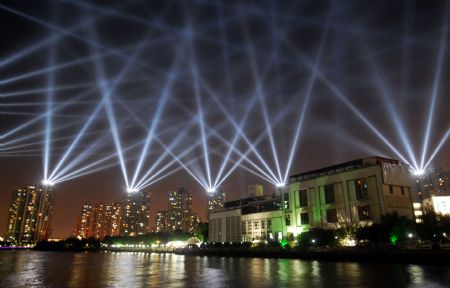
<point>362,189</point>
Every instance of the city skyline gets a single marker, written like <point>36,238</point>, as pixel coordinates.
<point>207,95</point>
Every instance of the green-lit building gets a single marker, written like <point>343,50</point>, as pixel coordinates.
<point>352,193</point>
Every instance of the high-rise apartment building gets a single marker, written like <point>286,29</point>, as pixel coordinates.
<point>194,221</point>
<point>215,200</point>
<point>179,210</point>
<point>161,221</point>
<point>85,224</point>
<point>106,220</point>
<point>135,214</point>
<point>434,182</point>
<point>99,221</point>
<point>29,214</point>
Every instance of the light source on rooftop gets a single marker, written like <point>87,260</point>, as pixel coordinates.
<point>211,190</point>
<point>418,172</point>
<point>132,190</point>
<point>46,182</point>
<point>279,185</point>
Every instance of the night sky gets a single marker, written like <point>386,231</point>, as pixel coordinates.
<point>361,75</point>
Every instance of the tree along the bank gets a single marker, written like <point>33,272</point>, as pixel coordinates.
<point>150,238</point>
<point>434,226</point>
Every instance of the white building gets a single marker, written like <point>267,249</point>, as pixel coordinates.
<point>358,192</point>
<point>248,219</point>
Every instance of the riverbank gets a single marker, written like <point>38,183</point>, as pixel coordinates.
<point>422,257</point>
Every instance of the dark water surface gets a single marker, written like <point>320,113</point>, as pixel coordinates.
<point>65,269</point>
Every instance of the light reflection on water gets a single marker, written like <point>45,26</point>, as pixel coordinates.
<point>56,269</point>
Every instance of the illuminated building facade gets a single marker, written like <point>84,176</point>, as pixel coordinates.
<point>106,220</point>
<point>438,204</point>
<point>418,212</point>
<point>194,221</point>
<point>432,191</point>
<point>250,219</point>
<point>85,224</point>
<point>179,210</point>
<point>216,200</point>
<point>99,221</point>
<point>135,214</point>
<point>358,192</point>
<point>30,214</point>
<point>353,193</point>
<point>161,220</point>
<point>434,182</point>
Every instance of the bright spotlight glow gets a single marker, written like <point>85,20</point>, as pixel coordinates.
<point>132,190</point>
<point>279,185</point>
<point>418,172</point>
<point>211,190</point>
<point>46,182</point>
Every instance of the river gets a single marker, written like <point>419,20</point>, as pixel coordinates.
<point>107,269</point>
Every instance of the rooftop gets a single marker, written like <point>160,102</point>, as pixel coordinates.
<point>340,168</point>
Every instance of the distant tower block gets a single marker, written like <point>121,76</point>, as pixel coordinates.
<point>255,190</point>
<point>179,210</point>
<point>30,214</point>
<point>216,200</point>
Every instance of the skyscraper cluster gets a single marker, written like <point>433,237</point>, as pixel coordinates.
<point>29,214</point>
<point>130,217</point>
<point>31,210</point>
<point>179,215</point>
